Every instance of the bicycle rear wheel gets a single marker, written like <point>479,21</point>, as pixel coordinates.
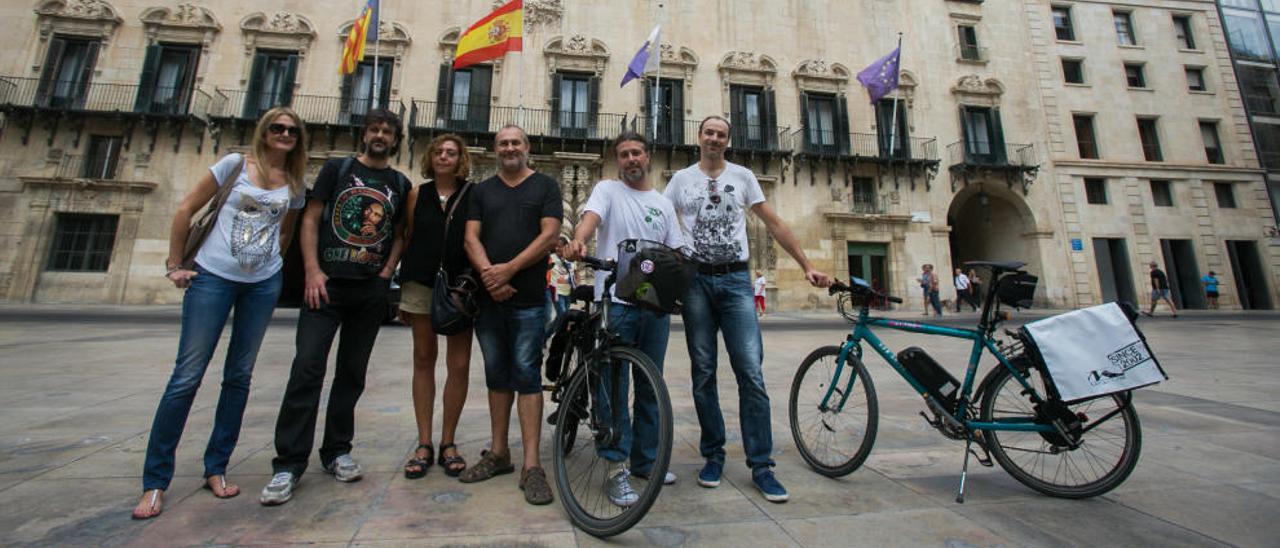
<point>834,439</point>
<point>1107,431</point>
<point>588,430</point>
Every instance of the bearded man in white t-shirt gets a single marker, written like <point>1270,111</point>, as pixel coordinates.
<point>624,210</point>
<point>712,198</point>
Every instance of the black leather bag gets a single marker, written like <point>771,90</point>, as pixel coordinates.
<point>453,303</point>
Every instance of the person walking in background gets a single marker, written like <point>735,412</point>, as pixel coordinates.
<point>238,266</point>
<point>975,285</point>
<point>1210,283</point>
<point>964,291</point>
<point>512,224</point>
<point>1160,291</point>
<point>348,273</point>
<point>760,284</point>
<point>435,226</point>
<point>929,284</point>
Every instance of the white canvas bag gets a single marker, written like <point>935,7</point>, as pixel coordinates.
<point>1094,351</point>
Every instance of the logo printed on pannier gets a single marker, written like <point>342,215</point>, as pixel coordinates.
<point>1121,360</point>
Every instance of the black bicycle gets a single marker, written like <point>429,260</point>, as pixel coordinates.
<point>595,378</point>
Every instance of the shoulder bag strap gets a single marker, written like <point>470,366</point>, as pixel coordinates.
<point>224,191</point>
<point>448,218</point>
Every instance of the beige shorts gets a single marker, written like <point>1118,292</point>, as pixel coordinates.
<point>415,298</point>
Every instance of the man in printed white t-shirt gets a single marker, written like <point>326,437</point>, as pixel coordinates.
<point>624,210</point>
<point>712,197</point>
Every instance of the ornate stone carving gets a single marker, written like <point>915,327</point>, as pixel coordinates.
<point>538,12</point>
<point>89,18</point>
<point>820,75</point>
<point>187,23</point>
<point>577,53</point>
<point>680,63</point>
<point>389,32</point>
<point>741,67</point>
<point>79,9</point>
<point>282,29</point>
<point>972,84</point>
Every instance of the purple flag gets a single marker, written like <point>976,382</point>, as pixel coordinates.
<point>881,77</point>
<point>645,60</point>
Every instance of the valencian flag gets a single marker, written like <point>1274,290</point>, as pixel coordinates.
<point>365,28</point>
<point>881,77</point>
<point>491,37</point>
<point>645,61</point>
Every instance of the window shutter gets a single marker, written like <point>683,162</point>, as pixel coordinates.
<point>189,80</point>
<point>842,124</point>
<point>479,98</point>
<point>804,121</point>
<point>347,93</point>
<point>253,95</point>
<point>50,71</point>
<point>442,94</point>
<point>769,119</point>
<point>290,74</point>
<point>86,74</point>
<point>969,146</point>
<point>737,116</point>
<point>593,107</point>
<point>555,101</point>
<point>997,137</point>
<point>677,111</point>
<point>147,83</point>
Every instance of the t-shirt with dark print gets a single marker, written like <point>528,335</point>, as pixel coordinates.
<point>360,215</point>
<point>511,219</point>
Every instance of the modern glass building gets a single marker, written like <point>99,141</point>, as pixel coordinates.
<point>1253,35</point>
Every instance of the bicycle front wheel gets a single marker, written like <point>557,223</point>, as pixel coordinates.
<point>1105,430</point>
<point>615,420</point>
<point>833,419</point>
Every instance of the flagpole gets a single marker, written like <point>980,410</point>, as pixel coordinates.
<point>520,74</point>
<point>657,81</point>
<point>893,125</point>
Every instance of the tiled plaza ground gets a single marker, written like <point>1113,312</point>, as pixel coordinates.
<point>77,394</point>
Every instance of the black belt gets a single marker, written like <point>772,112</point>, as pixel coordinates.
<point>721,268</point>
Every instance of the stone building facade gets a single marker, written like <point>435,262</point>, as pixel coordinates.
<point>1086,138</point>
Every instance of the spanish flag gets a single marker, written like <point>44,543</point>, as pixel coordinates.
<point>491,37</point>
<point>353,48</point>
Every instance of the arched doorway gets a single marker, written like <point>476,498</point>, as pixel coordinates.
<point>990,222</point>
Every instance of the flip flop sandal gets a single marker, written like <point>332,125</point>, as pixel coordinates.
<point>155,497</point>
<point>222,486</point>
<point>420,464</point>
<point>450,463</point>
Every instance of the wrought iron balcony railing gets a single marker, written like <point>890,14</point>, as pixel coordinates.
<point>868,146</point>
<point>78,95</point>
<point>473,118</point>
<point>991,155</point>
<point>314,109</point>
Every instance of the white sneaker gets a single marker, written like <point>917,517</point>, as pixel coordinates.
<point>345,469</point>
<point>279,490</point>
<point>618,487</point>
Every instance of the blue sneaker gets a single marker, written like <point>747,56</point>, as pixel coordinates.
<point>709,476</point>
<point>769,486</point>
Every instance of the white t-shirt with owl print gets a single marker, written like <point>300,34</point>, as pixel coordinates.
<point>714,211</point>
<point>626,213</point>
<point>244,245</point>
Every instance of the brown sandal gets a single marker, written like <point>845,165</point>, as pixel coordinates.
<point>490,465</point>
<point>536,489</point>
<point>417,467</point>
<point>153,506</point>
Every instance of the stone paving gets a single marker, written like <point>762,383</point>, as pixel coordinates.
<point>78,393</point>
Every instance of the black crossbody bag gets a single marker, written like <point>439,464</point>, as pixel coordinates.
<point>453,299</point>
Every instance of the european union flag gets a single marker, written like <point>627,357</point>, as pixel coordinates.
<point>881,77</point>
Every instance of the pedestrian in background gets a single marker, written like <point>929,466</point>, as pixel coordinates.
<point>1210,283</point>
<point>238,266</point>
<point>964,291</point>
<point>929,285</point>
<point>1160,291</point>
<point>435,227</point>
<point>760,289</point>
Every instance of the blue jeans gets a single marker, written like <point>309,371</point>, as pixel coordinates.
<point>726,303</point>
<point>646,330</point>
<point>205,307</point>
<point>511,342</point>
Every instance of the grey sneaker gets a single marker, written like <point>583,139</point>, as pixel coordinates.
<point>344,469</point>
<point>279,490</point>
<point>668,479</point>
<point>618,487</point>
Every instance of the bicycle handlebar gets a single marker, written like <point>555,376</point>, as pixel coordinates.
<point>842,287</point>
<point>598,264</point>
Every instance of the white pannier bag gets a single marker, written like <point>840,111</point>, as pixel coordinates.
<point>1094,351</point>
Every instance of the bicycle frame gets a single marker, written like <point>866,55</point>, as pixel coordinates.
<point>981,341</point>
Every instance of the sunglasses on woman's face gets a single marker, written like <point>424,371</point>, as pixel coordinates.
<point>277,129</point>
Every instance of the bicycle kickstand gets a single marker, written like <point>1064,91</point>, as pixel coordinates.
<point>964,470</point>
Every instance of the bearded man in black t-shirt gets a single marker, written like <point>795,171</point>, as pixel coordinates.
<point>350,247</point>
<point>513,220</point>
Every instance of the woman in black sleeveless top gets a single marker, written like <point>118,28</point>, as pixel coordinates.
<point>431,245</point>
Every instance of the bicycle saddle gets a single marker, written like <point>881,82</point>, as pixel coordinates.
<point>998,266</point>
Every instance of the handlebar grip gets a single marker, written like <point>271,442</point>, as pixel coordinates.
<point>894,300</point>
<point>837,287</point>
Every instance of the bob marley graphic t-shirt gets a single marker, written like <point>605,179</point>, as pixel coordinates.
<point>361,211</point>
<point>244,245</point>
<point>714,211</point>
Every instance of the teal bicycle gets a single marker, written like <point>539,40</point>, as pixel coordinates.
<point>1073,449</point>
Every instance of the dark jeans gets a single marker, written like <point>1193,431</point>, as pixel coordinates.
<point>358,307</point>
<point>965,296</point>
<point>647,331</point>
<point>933,301</point>
<point>725,303</point>
<point>205,307</point>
